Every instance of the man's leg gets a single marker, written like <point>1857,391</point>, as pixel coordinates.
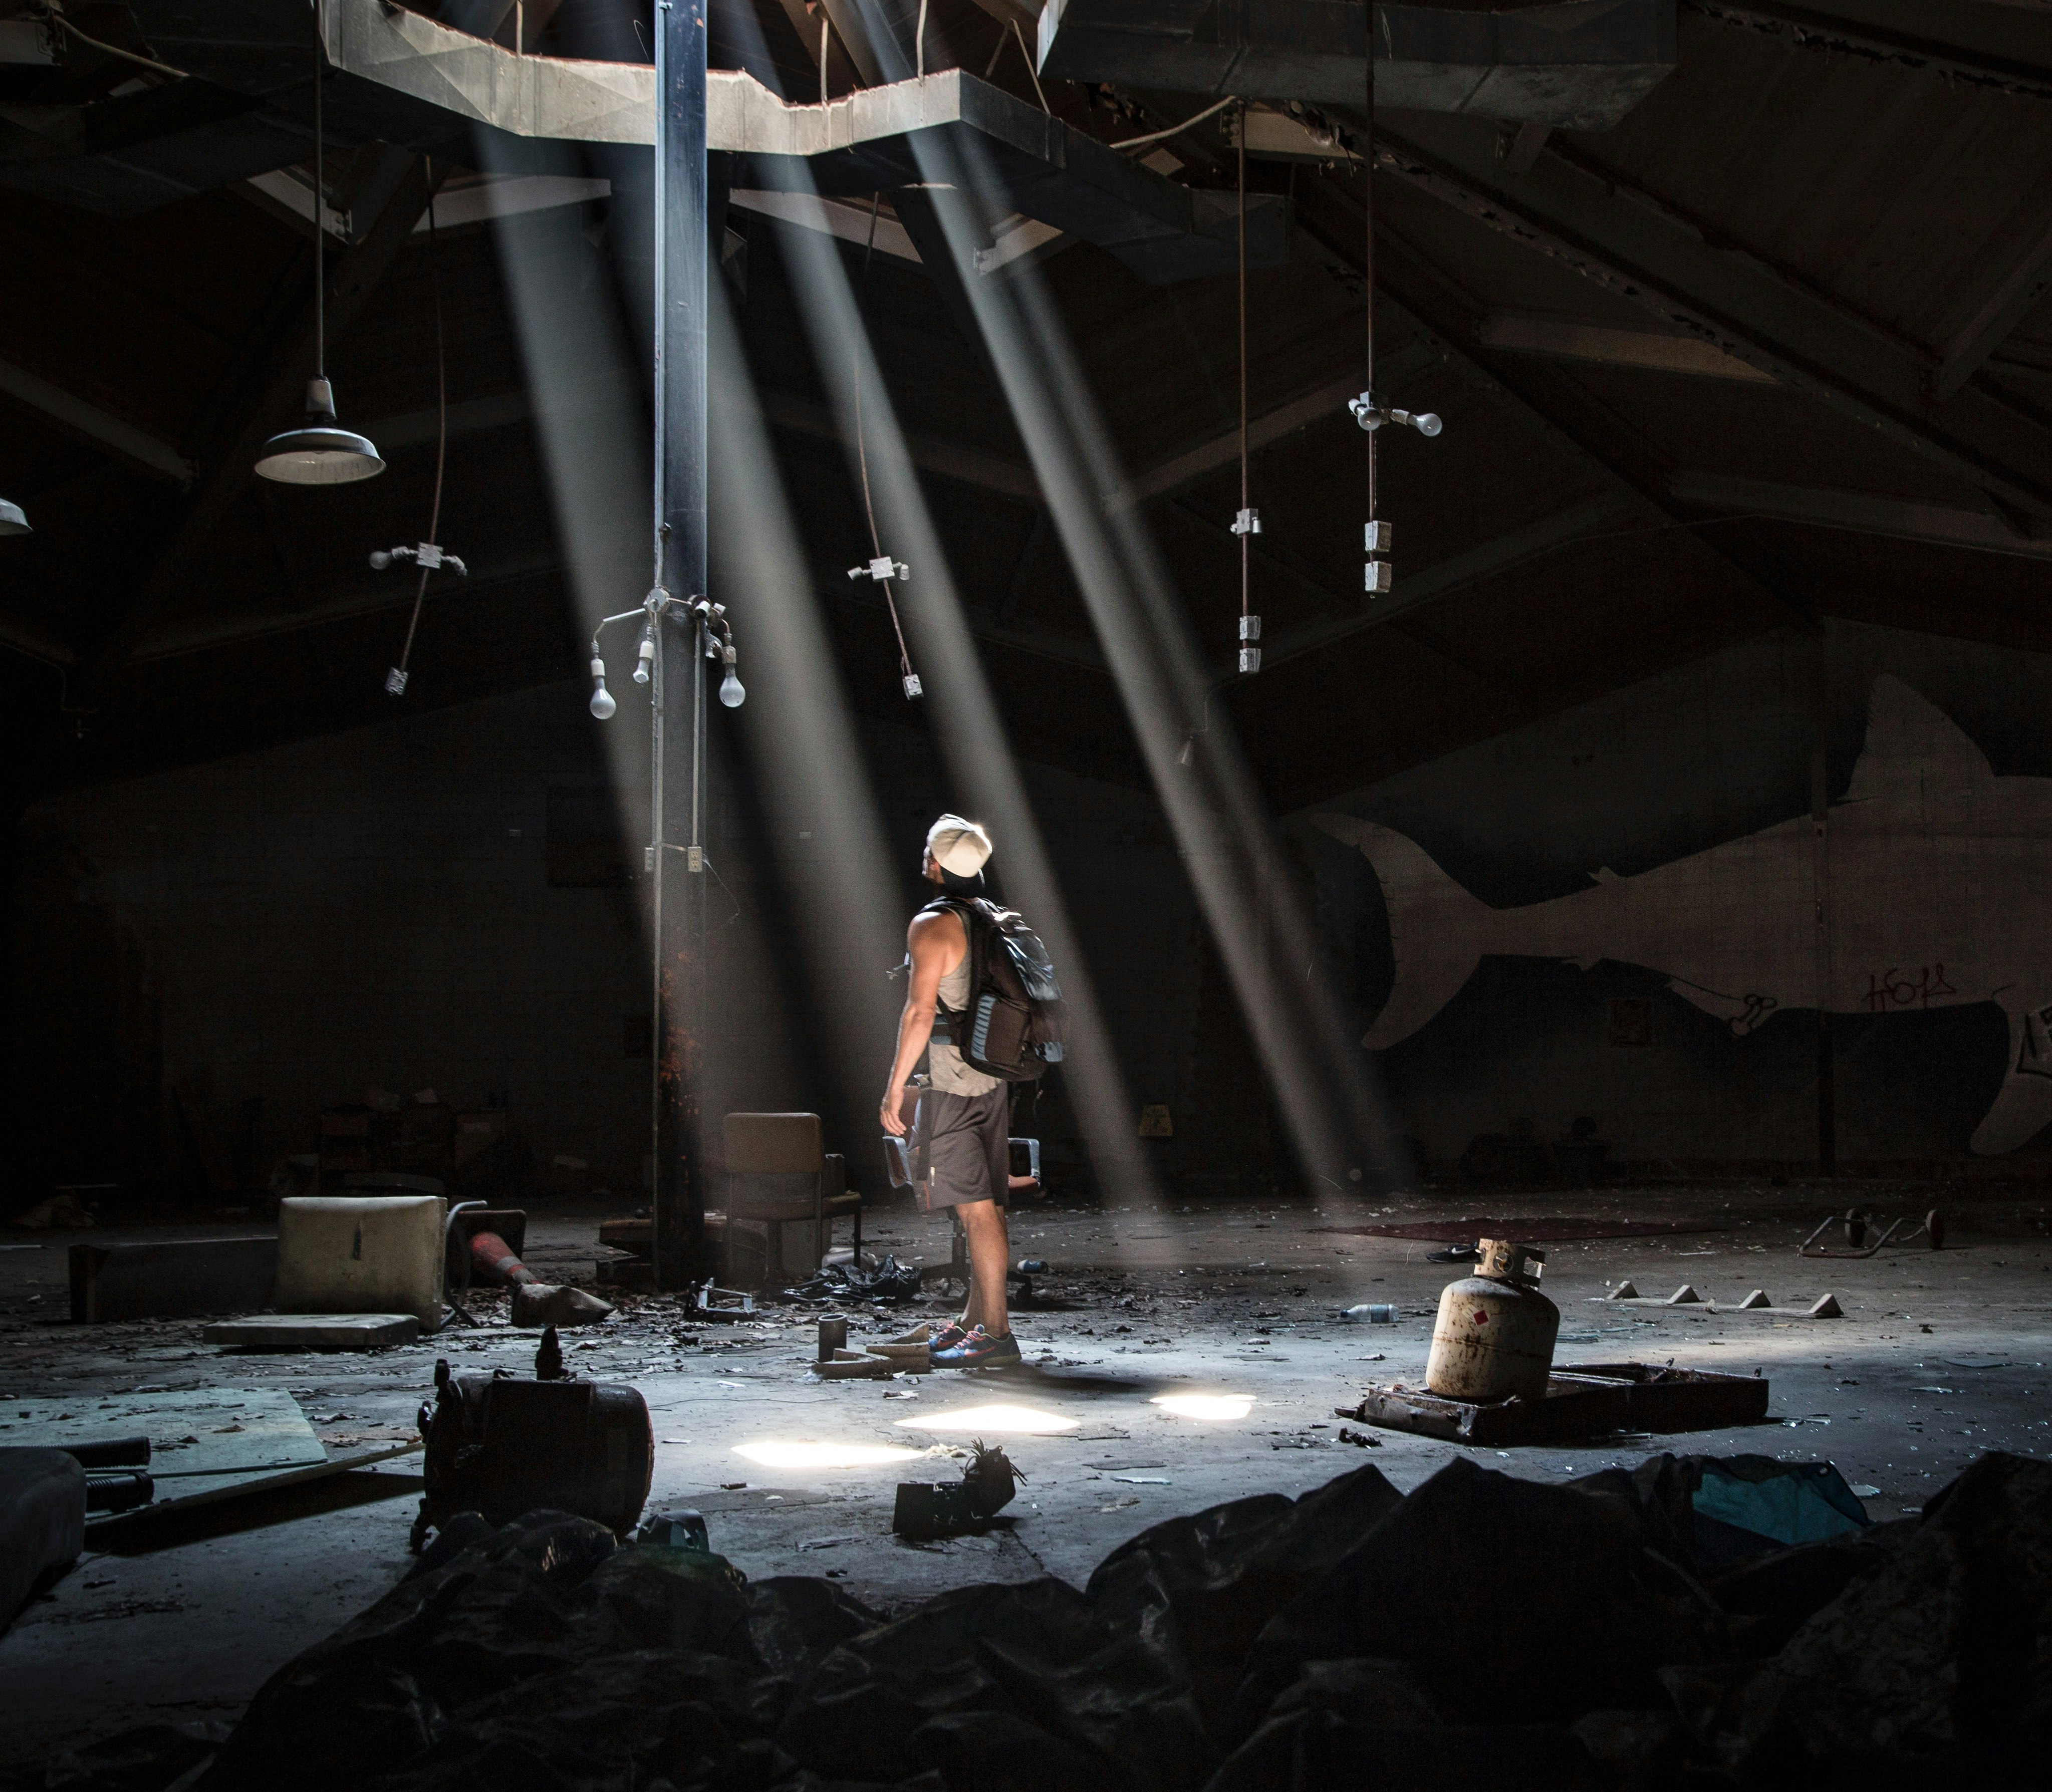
<point>989,1250</point>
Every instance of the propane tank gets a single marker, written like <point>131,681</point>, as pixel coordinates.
<point>1495,1335</point>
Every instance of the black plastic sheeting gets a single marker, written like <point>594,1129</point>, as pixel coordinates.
<point>890,1281</point>
<point>1482,1631</point>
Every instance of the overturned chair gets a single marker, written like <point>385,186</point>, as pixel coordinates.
<point>781,1178</point>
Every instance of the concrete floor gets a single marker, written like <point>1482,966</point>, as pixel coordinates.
<point>1939,1357</point>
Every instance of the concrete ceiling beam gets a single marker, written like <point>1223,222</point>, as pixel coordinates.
<point>1865,513</point>
<point>1811,30</point>
<point>1605,345</point>
<point>78,416</point>
<point>2027,279</point>
<point>1562,212</point>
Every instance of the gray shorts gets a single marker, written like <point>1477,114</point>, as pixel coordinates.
<point>960,1147</point>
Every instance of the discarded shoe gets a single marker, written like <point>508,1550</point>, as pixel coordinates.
<point>542,1303</point>
<point>978,1351</point>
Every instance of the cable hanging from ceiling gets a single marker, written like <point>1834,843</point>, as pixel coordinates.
<point>1247,524</point>
<point>320,452</point>
<point>1372,410</point>
<point>428,555</point>
<point>880,567</point>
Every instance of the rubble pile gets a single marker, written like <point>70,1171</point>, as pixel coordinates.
<point>1483,1630</point>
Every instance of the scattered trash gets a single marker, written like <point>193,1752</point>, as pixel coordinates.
<point>854,1365</point>
<point>679,1528</point>
<point>708,1301</point>
<point>61,1213</point>
<point>1366,1440</point>
<point>927,1511</point>
<point>890,1281</point>
<point>912,1354</point>
<point>1859,1221</point>
<point>540,1303</point>
<point>1373,1312</point>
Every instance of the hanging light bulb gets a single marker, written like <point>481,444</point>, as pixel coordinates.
<point>11,521</point>
<point>648,657</point>
<point>602,705</point>
<point>320,452</point>
<point>730,691</point>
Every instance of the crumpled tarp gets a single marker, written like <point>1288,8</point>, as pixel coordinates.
<point>1482,1630</point>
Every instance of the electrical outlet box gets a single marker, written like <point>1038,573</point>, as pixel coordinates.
<point>1378,536</point>
<point>1378,576</point>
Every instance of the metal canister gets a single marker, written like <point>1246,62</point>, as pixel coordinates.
<point>1495,1335</point>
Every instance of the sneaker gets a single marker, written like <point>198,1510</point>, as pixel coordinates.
<point>979,1350</point>
<point>949,1336</point>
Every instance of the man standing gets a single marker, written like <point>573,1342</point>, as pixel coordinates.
<point>960,1130</point>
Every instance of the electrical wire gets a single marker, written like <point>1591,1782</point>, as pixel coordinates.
<point>442,423</point>
<point>1246,533</point>
<point>920,42</point>
<point>862,453</point>
<point>1032,73</point>
<point>1177,130</point>
<point>320,201</point>
<point>54,15</point>
<point>1368,262</point>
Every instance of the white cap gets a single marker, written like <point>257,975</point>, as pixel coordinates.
<point>957,845</point>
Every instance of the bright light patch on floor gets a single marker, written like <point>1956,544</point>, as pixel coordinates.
<point>777,1455</point>
<point>1205,1406</point>
<point>1026,1421</point>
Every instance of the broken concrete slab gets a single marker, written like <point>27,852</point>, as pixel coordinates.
<point>170,1279</point>
<point>288,1331</point>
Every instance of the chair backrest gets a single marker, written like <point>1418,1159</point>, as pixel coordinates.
<point>774,1145</point>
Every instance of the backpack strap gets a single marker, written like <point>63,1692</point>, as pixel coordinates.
<point>962,908</point>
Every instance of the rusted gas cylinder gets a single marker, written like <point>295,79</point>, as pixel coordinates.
<point>1495,1333</point>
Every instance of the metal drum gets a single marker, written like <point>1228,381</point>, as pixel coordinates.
<point>1495,1336</point>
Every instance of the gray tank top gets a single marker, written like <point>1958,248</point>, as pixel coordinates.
<point>944,1063</point>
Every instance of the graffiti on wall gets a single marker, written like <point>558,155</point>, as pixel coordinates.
<point>1929,885</point>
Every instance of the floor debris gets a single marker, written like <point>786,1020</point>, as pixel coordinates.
<point>1266,1643</point>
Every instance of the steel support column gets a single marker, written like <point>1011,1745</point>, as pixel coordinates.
<point>678,722</point>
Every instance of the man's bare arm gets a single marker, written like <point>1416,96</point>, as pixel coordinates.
<point>936,943</point>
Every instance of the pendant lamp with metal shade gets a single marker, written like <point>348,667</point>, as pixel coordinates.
<point>11,521</point>
<point>320,452</point>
